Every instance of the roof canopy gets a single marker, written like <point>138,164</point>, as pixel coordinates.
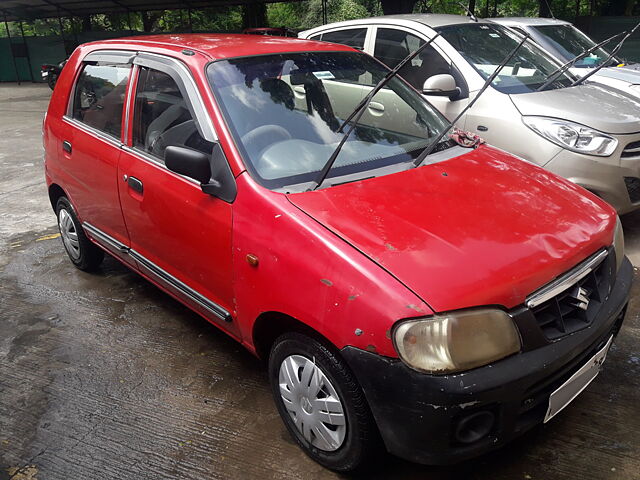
<point>15,10</point>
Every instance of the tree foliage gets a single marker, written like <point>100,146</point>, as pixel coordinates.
<point>308,13</point>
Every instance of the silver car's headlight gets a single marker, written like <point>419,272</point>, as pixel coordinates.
<point>572,136</point>
<point>456,341</point>
<point>618,243</point>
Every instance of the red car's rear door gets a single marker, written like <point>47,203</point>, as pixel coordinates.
<point>91,145</point>
<point>180,237</point>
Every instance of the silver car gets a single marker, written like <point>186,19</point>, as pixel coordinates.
<point>589,133</point>
<point>564,41</point>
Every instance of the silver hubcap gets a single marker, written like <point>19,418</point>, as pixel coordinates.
<point>69,234</point>
<point>312,403</point>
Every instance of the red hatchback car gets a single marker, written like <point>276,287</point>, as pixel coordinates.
<point>436,308</point>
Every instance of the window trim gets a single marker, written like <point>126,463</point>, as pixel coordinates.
<point>186,84</point>
<point>72,97</point>
<point>367,33</point>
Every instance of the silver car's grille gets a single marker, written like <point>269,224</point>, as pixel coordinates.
<point>572,301</point>
<point>631,150</point>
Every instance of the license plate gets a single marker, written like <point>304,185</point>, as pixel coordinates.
<point>570,389</point>
<point>45,74</point>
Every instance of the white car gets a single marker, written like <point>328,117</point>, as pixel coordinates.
<point>564,41</point>
<point>589,133</point>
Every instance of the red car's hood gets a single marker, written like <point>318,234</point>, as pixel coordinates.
<point>480,229</point>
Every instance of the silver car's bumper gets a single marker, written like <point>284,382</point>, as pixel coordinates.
<point>616,178</point>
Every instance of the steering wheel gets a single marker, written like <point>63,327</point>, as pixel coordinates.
<point>258,139</point>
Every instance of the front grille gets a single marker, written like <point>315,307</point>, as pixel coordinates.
<point>631,150</point>
<point>633,188</point>
<point>575,307</point>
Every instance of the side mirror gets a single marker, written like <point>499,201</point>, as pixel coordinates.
<point>442,85</point>
<point>188,162</point>
<point>212,171</point>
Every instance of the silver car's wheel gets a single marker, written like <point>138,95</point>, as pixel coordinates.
<point>312,402</point>
<point>69,234</point>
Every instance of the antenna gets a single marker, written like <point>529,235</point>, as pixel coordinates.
<point>550,11</point>
<point>469,12</point>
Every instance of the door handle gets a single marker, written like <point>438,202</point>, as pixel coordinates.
<point>66,146</point>
<point>376,108</point>
<point>135,184</point>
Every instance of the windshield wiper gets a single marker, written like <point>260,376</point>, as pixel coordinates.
<point>425,153</point>
<point>613,53</point>
<point>360,109</point>
<point>560,70</point>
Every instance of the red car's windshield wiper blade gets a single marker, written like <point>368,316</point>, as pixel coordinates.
<point>560,70</point>
<point>613,53</point>
<point>359,110</point>
<point>425,153</point>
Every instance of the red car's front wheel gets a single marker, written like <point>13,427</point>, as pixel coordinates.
<point>321,403</point>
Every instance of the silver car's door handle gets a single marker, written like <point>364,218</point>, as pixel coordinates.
<point>376,107</point>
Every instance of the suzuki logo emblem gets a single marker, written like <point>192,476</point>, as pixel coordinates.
<point>580,297</point>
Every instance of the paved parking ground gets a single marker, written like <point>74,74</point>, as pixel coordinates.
<point>103,376</point>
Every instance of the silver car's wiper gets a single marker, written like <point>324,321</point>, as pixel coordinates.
<point>360,109</point>
<point>563,68</point>
<point>392,73</point>
<point>613,53</point>
<point>425,153</point>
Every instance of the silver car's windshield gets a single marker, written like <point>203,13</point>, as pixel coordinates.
<point>485,46</point>
<point>568,42</point>
<point>284,111</point>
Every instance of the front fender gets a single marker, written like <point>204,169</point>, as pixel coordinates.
<point>305,271</point>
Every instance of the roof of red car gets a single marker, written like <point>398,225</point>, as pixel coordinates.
<point>219,46</point>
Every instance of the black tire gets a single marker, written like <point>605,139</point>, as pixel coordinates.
<point>361,444</point>
<point>82,253</point>
<point>52,78</point>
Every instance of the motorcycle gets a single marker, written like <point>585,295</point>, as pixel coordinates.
<point>51,72</point>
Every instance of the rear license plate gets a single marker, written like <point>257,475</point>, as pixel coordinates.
<point>570,389</point>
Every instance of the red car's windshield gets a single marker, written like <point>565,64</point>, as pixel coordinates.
<point>284,111</point>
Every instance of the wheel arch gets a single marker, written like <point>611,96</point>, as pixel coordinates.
<point>270,325</point>
<point>55,192</point>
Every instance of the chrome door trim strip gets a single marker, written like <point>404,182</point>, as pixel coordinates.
<point>93,131</point>
<point>142,155</point>
<point>154,270</point>
<point>566,281</point>
<point>182,288</point>
<point>108,240</point>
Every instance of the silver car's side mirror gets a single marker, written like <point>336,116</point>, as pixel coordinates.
<point>442,84</point>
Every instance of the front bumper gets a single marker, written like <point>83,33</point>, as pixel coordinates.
<point>604,176</point>
<point>417,414</point>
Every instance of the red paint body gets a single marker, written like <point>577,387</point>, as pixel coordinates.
<point>356,256</point>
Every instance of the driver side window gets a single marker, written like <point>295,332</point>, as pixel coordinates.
<point>162,117</point>
<point>393,45</point>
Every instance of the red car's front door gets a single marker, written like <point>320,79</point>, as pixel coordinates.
<point>180,237</point>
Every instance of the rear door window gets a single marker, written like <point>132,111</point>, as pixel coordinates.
<point>392,46</point>
<point>353,37</point>
<point>162,116</point>
<point>99,97</point>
